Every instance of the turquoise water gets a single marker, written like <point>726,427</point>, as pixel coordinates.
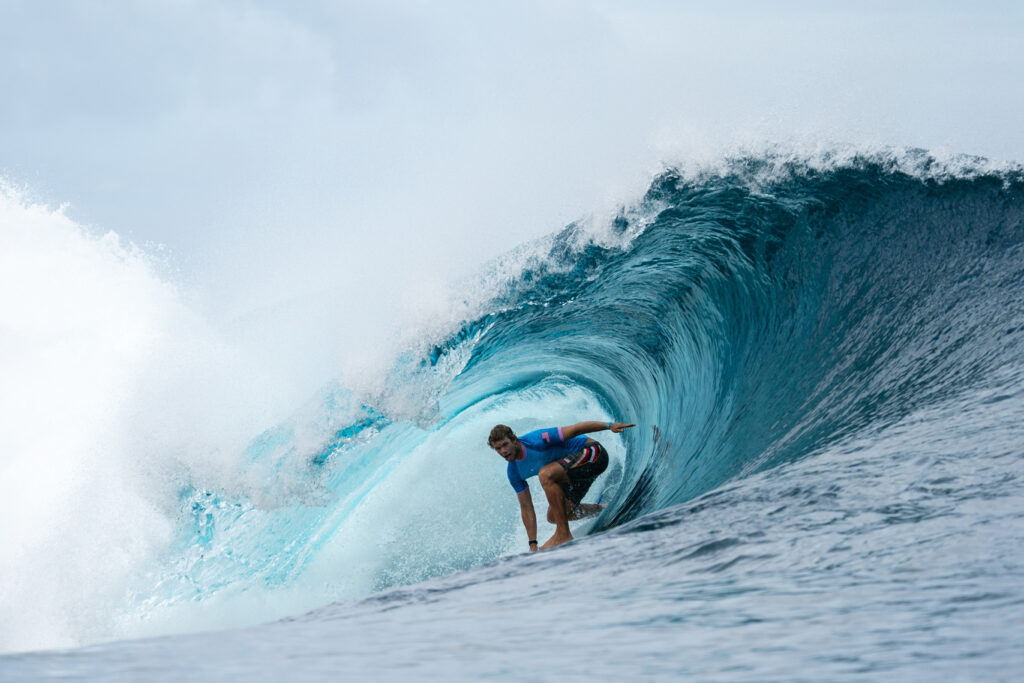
<point>824,362</point>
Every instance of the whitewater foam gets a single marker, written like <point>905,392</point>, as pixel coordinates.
<point>81,317</point>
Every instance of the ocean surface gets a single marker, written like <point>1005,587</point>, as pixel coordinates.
<point>824,357</point>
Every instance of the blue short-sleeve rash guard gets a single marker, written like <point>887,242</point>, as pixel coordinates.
<point>540,447</point>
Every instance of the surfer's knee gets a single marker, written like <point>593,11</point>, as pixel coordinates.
<point>551,474</point>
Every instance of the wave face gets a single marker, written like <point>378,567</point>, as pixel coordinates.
<point>768,311</point>
<point>743,318</point>
<point>768,314</point>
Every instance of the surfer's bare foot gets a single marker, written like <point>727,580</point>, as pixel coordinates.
<point>557,539</point>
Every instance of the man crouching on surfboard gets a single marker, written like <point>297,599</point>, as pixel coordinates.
<point>565,462</point>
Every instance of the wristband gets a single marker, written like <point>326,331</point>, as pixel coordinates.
<point>609,426</point>
<point>533,541</point>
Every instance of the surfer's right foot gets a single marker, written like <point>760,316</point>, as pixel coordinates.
<point>556,540</point>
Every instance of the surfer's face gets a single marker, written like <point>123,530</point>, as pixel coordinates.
<point>506,448</point>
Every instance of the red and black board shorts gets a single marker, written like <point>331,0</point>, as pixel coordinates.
<point>583,467</point>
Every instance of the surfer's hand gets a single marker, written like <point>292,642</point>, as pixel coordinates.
<point>617,427</point>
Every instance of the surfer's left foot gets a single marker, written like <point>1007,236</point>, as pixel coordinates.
<point>556,540</point>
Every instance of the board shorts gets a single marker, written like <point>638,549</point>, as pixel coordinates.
<point>583,467</point>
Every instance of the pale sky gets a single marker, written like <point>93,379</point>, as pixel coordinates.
<point>303,139</point>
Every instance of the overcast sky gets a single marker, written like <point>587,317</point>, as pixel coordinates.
<point>306,138</point>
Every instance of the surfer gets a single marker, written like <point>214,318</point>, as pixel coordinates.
<point>565,461</point>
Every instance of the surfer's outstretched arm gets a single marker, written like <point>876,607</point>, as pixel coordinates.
<point>570,431</point>
<point>529,517</point>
